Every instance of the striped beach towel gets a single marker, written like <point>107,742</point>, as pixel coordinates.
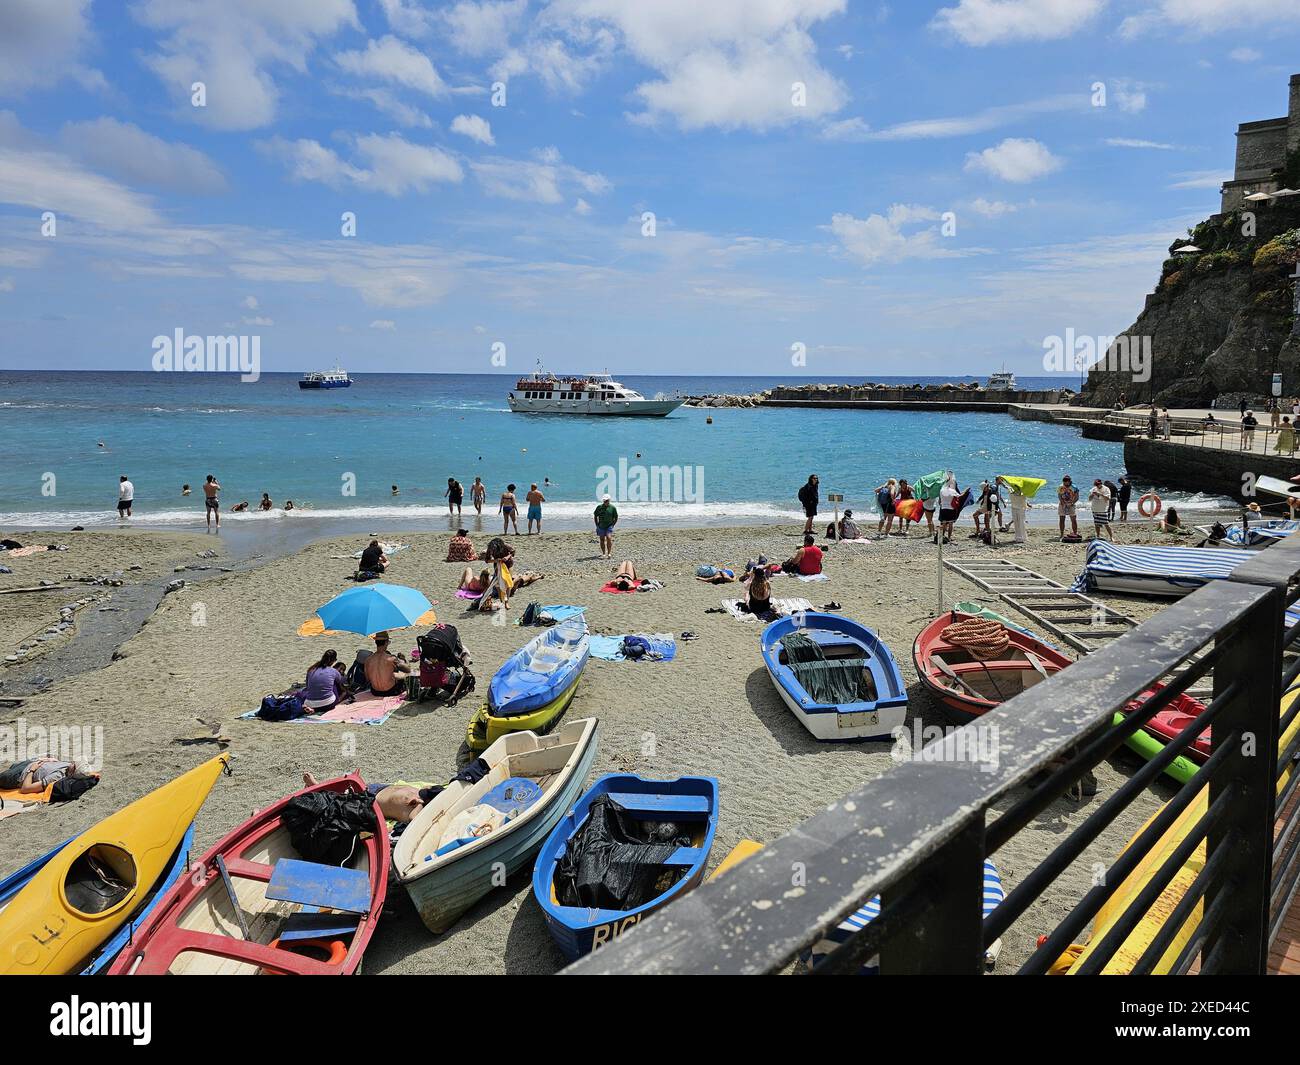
<point>781,606</point>
<point>855,922</point>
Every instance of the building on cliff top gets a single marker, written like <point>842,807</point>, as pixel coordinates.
<point>1262,151</point>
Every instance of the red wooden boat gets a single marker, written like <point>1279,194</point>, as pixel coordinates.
<point>1171,719</point>
<point>196,929</point>
<point>967,685</point>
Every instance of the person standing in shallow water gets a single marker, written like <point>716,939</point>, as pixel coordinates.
<point>808,497</point>
<point>211,501</point>
<point>478,494</point>
<point>535,500</point>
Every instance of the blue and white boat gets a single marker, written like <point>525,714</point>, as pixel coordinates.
<point>1253,535</point>
<point>540,671</point>
<point>472,837</point>
<point>1168,571</point>
<point>15,882</point>
<point>856,922</point>
<point>335,378</point>
<point>836,676</point>
<point>685,807</point>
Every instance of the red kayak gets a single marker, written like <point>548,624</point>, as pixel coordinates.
<point>1169,721</point>
<point>294,916</point>
<point>971,664</point>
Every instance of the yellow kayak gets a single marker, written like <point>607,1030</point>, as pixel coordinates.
<point>85,892</point>
<point>1126,957</point>
<point>485,728</point>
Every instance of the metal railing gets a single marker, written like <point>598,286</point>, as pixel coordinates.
<point>1265,439</point>
<point>918,835</point>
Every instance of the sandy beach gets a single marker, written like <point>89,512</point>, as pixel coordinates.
<point>209,651</point>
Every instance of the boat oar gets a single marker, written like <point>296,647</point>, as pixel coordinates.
<point>234,899</point>
<point>1034,661</point>
<point>951,674</point>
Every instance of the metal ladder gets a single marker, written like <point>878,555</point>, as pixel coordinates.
<point>1078,620</point>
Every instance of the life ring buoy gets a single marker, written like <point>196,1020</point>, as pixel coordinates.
<point>1149,505</point>
<point>336,951</point>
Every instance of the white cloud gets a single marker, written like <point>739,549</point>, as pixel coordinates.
<point>581,206</point>
<point>129,153</point>
<point>992,208</point>
<point>408,17</point>
<point>1017,159</point>
<point>474,127</point>
<point>387,103</point>
<point>41,42</point>
<point>1245,55</point>
<point>1211,16</point>
<point>389,59</point>
<point>250,302</point>
<point>726,64</point>
<point>981,22</point>
<point>1131,142</point>
<point>847,129</point>
<point>538,180</point>
<point>6,284</point>
<point>981,121</point>
<point>233,47</point>
<point>480,29</point>
<point>385,163</point>
<point>1201,179</point>
<point>32,175</point>
<point>258,320</point>
<point>881,238</point>
<point>1130,96</point>
<point>384,323</point>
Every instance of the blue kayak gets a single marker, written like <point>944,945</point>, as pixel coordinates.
<point>688,804</point>
<point>542,670</point>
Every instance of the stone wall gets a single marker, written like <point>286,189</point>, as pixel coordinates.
<point>1201,469</point>
<point>1261,149</point>
<point>1293,132</point>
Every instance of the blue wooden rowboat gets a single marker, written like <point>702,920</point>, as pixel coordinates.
<point>837,655</point>
<point>689,802</point>
<point>473,836</point>
<point>15,882</point>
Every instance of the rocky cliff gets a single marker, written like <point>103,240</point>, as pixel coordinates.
<point>1220,319</point>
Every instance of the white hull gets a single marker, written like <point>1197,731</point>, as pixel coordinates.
<point>873,725</point>
<point>646,408</point>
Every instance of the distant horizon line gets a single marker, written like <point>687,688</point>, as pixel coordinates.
<point>499,373</point>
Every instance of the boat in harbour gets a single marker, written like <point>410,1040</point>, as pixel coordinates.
<point>335,378</point>
<point>1002,381</point>
<point>594,393</point>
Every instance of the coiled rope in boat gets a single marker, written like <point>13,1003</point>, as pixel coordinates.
<point>984,638</point>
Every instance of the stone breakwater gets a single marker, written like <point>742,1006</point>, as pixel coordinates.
<point>966,396</point>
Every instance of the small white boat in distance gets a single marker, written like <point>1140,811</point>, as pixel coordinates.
<point>593,393</point>
<point>1002,381</point>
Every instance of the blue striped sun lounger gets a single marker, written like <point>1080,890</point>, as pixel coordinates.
<point>1172,571</point>
<point>857,921</point>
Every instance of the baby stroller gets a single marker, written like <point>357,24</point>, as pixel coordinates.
<point>444,665</point>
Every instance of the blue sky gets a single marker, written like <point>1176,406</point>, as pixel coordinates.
<point>782,216</point>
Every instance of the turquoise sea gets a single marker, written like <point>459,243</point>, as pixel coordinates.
<point>336,454</point>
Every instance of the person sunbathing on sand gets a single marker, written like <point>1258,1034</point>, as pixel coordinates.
<point>397,802</point>
<point>715,575</point>
<point>36,774</point>
<point>470,582</point>
<point>625,578</point>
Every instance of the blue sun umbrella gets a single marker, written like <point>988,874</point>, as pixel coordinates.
<point>374,608</point>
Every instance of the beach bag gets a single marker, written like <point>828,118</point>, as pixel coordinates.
<point>634,647</point>
<point>72,786</point>
<point>325,826</point>
<point>356,675</point>
<point>281,707</point>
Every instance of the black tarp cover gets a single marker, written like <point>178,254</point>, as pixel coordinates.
<point>615,861</point>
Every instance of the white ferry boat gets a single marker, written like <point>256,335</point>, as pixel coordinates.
<point>335,378</point>
<point>1002,381</point>
<point>593,393</point>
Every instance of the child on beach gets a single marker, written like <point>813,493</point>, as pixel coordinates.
<point>509,510</point>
